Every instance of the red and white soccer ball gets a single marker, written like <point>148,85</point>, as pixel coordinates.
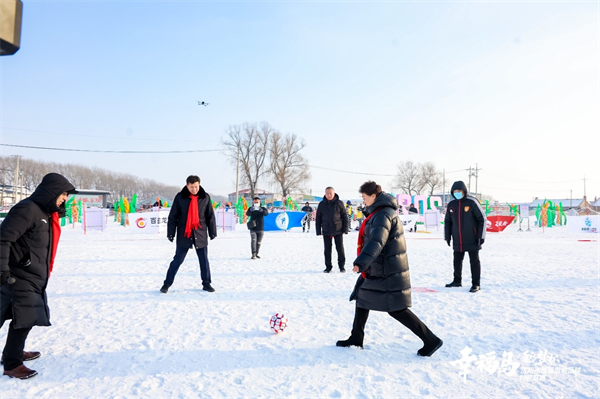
<point>278,322</point>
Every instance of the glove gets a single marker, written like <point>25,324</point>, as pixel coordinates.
<point>170,238</point>
<point>481,241</point>
<point>448,242</point>
<point>6,278</point>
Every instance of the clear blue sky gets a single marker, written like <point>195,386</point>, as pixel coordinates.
<point>513,87</point>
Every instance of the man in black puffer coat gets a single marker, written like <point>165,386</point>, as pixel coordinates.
<point>332,222</point>
<point>194,223</point>
<point>28,242</point>
<point>385,281</point>
<point>257,214</point>
<point>465,224</point>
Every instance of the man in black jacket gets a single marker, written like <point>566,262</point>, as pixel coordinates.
<point>307,218</point>
<point>193,219</point>
<point>465,223</point>
<point>332,222</point>
<point>28,243</point>
<point>257,215</point>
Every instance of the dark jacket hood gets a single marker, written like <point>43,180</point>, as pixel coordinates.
<point>459,185</point>
<point>383,200</point>
<point>49,189</point>
<point>186,193</point>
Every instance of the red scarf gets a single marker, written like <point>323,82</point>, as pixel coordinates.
<point>193,220</point>
<point>55,237</point>
<point>361,237</point>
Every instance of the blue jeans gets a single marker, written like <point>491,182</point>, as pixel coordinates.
<point>178,259</point>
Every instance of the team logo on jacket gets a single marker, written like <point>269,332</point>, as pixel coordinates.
<point>467,209</point>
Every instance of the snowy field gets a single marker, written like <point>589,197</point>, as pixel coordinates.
<point>532,331</point>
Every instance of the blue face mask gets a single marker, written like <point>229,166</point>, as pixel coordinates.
<point>458,195</point>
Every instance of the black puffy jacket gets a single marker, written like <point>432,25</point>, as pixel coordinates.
<point>258,215</point>
<point>331,219</point>
<point>465,221</point>
<point>178,219</point>
<point>383,258</point>
<point>26,235</point>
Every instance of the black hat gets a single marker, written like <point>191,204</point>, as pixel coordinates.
<point>256,198</point>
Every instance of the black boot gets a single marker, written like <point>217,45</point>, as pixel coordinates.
<point>349,342</point>
<point>454,284</point>
<point>429,348</point>
<point>164,289</point>
<point>474,288</point>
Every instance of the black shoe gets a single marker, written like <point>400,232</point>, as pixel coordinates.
<point>164,289</point>
<point>208,288</point>
<point>349,342</point>
<point>327,270</point>
<point>474,288</point>
<point>430,349</point>
<point>342,270</point>
<point>257,257</point>
<point>253,256</point>
<point>454,284</point>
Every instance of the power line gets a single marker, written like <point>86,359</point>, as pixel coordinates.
<point>98,136</point>
<point>106,151</point>
<point>350,172</point>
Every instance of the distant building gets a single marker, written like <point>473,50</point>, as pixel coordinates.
<point>245,193</point>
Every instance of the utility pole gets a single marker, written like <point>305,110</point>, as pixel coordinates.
<point>476,178</point>
<point>237,177</point>
<point>470,179</point>
<point>444,188</point>
<point>21,192</point>
<point>16,182</point>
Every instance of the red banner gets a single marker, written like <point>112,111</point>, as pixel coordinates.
<point>497,224</point>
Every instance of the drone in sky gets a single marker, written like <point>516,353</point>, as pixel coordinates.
<point>202,103</point>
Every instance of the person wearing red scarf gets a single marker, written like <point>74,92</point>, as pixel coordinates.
<point>28,245</point>
<point>191,223</point>
<point>384,283</point>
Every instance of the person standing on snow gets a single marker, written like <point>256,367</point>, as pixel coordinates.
<point>257,215</point>
<point>384,283</point>
<point>193,218</point>
<point>307,218</point>
<point>28,243</point>
<point>465,223</point>
<point>350,212</point>
<point>332,222</point>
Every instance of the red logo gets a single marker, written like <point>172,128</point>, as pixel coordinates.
<point>497,224</point>
<point>141,223</point>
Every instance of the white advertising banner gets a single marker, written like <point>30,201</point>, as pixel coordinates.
<point>149,222</point>
<point>432,219</point>
<point>584,224</point>
<point>95,219</point>
<point>225,219</point>
<point>409,221</point>
<point>524,211</point>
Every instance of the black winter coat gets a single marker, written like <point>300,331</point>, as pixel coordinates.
<point>258,216</point>
<point>332,219</point>
<point>26,235</point>
<point>178,219</point>
<point>307,209</point>
<point>465,221</point>
<point>383,258</point>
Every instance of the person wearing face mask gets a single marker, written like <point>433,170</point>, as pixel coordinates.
<point>465,224</point>
<point>193,219</point>
<point>257,218</point>
<point>29,238</point>
<point>384,283</point>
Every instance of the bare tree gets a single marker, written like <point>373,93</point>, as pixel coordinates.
<point>289,169</point>
<point>409,178</point>
<point>430,176</point>
<point>249,142</point>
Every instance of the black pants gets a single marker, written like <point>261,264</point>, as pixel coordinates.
<point>339,247</point>
<point>404,316</point>
<point>475,266</point>
<point>178,259</point>
<point>255,240</point>
<point>12,356</point>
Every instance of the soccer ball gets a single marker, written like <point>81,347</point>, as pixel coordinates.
<point>278,322</point>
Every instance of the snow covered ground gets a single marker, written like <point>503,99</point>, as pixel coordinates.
<point>115,335</point>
